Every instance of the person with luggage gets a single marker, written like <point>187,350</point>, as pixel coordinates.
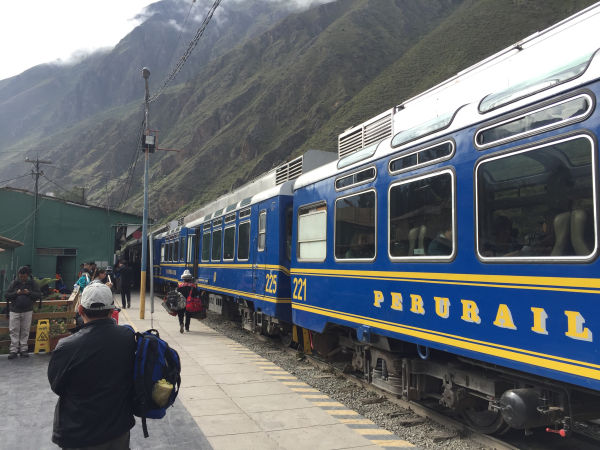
<point>92,373</point>
<point>21,296</point>
<point>187,288</point>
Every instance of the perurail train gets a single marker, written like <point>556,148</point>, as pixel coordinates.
<point>449,250</point>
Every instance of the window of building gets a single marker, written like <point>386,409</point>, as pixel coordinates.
<point>538,203</point>
<point>355,226</point>
<point>262,230</point>
<point>243,241</point>
<point>312,232</point>
<point>206,246</point>
<point>216,245</point>
<point>229,243</point>
<point>421,216</point>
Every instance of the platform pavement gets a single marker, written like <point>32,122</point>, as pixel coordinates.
<point>240,400</point>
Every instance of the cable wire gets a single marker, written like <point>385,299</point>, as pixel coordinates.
<point>189,50</point>
<point>16,178</point>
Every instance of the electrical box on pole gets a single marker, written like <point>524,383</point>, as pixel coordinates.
<point>148,143</point>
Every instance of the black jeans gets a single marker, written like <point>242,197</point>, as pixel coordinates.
<point>126,291</point>
<point>118,443</point>
<point>188,318</point>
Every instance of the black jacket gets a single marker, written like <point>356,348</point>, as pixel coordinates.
<point>22,302</point>
<point>126,274</point>
<point>92,373</point>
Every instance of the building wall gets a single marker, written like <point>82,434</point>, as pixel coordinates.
<point>89,230</point>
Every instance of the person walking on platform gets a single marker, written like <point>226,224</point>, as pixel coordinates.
<point>21,296</point>
<point>84,278</point>
<point>185,287</point>
<point>126,275</point>
<point>92,373</point>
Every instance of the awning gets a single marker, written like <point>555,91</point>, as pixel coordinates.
<point>9,243</point>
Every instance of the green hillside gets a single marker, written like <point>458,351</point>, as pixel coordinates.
<point>279,92</point>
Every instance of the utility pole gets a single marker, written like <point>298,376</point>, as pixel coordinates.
<point>146,75</point>
<point>35,173</point>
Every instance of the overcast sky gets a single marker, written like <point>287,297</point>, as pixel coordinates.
<point>39,31</point>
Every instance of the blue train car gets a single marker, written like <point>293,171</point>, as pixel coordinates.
<point>244,248</point>
<point>452,248</point>
<point>173,252</point>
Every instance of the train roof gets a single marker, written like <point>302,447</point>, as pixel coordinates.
<point>278,181</point>
<point>551,61</point>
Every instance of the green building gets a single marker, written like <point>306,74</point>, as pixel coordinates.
<point>60,235</point>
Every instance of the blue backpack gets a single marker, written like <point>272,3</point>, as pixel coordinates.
<point>154,361</point>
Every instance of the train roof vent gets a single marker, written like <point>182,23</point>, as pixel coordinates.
<point>288,171</point>
<point>374,130</point>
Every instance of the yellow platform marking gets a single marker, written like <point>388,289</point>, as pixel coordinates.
<point>341,412</point>
<point>372,431</point>
<point>357,421</point>
<point>311,396</point>
<point>331,403</point>
<point>392,443</point>
<point>283,377</point>
<point>294,383</point>
<point>276,372</point>
<point>304,390</point>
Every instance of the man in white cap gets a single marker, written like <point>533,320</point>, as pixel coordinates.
<point>92,373</point>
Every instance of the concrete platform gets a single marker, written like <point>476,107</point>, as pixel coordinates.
<point>240,400</point>
<point>230,398</point>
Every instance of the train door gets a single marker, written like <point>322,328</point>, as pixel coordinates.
<point>259,249</point>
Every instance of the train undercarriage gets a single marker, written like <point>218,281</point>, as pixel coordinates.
<point>490,399</point>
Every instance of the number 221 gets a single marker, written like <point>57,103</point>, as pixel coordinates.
<point>299,289</point>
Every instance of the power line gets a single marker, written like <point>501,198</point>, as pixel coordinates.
<point>189,50</point>
<point>16,178</point>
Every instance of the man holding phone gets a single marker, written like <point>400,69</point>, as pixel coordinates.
<point>21,296</point>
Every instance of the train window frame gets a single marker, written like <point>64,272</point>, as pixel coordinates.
<point>523,113</point>
<point>234,242</point>
<point>245,213</point>
<point>316,206</point>
<point>182,249</point>
<point>262,231</point>
<point>524,149</point>
<point>238,240</point>
<point>230,218</point>
<point>218,231</point>
<point>170,255</point>
<point>349,260</point>
<point>425,258</point>
<point>206,232</point>
<point>427,128</point>
<point>426,163</point>
<point>176,250</point>
<point>353,174</point>
<point>162,252</point>
<point>190,248</point>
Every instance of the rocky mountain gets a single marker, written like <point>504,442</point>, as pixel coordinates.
<point>265,83</point>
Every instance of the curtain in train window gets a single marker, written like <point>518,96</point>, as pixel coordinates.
<point>262,230</point>
<point>538,203</point>
<point>216,245</point>
<point>206,246</point>
<point>243,241</point>
<point>162,252</point>
<point>190,249</point>
<point>312,233</point>
<point>229,243</point>
<point>421,223</point>
<point>355,226</point>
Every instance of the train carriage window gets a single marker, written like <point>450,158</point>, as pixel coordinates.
<point>206,246</point>
<point>182,249</point>
<point>190,249</point>
<point>216,245</point>
<point>363,176</point>
<point>244,213</point>
<point>243,241</point>
<point>538,121</point>
<point>422,157</point>
<point>421,218</point>
<point>262,230</point>
<point>162,252</point>
<point>229,243</point>
<point>170,257</point>
<point>538,203</point>
<point>312,233</point>
<point>175,251</point>
<point>355,226</point>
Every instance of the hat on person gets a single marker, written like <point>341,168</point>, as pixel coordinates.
<point>186,274</point>
<point>97,296</point>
